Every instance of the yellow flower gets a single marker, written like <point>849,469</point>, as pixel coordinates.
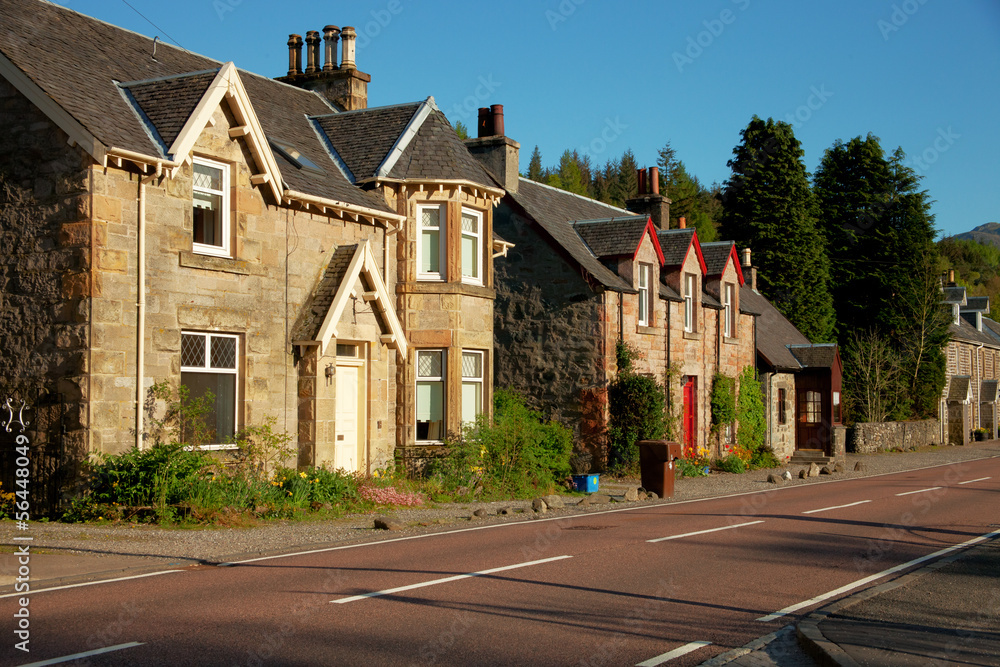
<point>289,493</point>
<point>302,475</point>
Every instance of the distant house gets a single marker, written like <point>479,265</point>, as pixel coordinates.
<point>969,399</point>
<point>168,217</point>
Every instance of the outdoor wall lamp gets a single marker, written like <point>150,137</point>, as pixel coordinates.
<point>329,371</point>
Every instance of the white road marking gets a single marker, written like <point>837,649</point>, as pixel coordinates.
<point>909,493</point>
<point>85,654</point>
<point>400,589</point>
<point>971,481</point>
<point>837,507</point>
<point>676,653</point>
<point>702,532</point>
<point>879,575</point>
<point>86,583</point>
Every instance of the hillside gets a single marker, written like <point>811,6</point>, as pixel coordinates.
<point>988,234</point>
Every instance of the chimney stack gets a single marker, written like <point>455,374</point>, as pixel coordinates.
<point>331,35</point>
<point>752,278</point>
<point>681,223</point>
<point>495,151</point>
<point>294,55</point>
<point>344,85</point>
<point>951,277</point>
<point>649,201</point>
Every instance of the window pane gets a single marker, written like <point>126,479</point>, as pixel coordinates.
<point>430,217</point>
<point>470,257</point>
<point>344,350</point>
<point>430,251</point>
<point>192,350</point>
<point>472,400</point>
<point>472,365</point>
<point>430,410</point>
<point>470,223</point>
<point>207,219</point>
<point>429,364</point>
<point>221,419</point>
<point>223,352</point>
<point>208,178</point>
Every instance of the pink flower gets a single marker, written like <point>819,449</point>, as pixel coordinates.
<point>390,496</point>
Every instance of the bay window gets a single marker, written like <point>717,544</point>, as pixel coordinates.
<point>430,394</point>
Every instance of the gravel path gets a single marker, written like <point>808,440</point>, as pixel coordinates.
<point>221,544</point>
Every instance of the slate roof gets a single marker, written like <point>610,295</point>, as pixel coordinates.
<point>976,303</point>
<point>958,388</point>
<point>167,103</point>
<point>992,328</point>
<point>670,294</point>
<point>613,237</point>
<point>750,301</point>
<point>674,243</point>
<point>816,355</point>
<point>79,68</point>
<point>363,138</point>
<point>774,332</point>
<point>436,152</point>
<point>716,255</point>
<point>322,297</point>
<point>709,301</point>
<point>554,209</point>
<point>988,391</point>
<point>954,295</point>
<point>967,333</point>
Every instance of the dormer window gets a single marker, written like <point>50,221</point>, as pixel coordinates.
<point>210,199</point>
<point>644,301</point>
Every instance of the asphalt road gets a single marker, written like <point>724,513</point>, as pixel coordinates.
<point>658,584</point>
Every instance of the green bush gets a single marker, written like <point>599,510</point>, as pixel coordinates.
<point>763,457</point>
<point>723,401</point>
<point>752,429</point>
<point>516,455</point>
<point>637,406</point>
<point>731,463</point>
<point>687,468</point>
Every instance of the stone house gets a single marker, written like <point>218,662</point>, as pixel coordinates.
<point>969,399</point>
<point>167,217</point>
<point>583,276</point>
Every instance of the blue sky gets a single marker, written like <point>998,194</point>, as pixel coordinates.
<point>589,75</point>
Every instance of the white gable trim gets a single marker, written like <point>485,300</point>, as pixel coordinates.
<point>363,262</point>
<point>228,85</point>
<point>406,137</point>
<point>78,134</point>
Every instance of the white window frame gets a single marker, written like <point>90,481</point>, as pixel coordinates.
<point>208,368</point>
<point>644,301</point>
<point>223,250</point>
<point>690,286</point>
<point>727,309</point>
<point>442,230</point>
<point>441,379</point>
<point>476,279</point>
<point>471,380</point>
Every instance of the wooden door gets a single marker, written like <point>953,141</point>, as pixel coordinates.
<point>809,411</point>
<point>347,444</point>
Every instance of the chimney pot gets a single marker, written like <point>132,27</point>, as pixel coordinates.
<point>641,177</point>
<point>294,54</point>
<point>654,180</point>
<point>681,223</point>
<point>951,276</point>
<point>347,57</point>
<point>746,256</point>
<point>497,111</point>
<point>331,35</point>
<point>312,51</point>
<point>485,123</point>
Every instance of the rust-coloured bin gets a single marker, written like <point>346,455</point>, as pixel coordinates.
<point>656,462</point>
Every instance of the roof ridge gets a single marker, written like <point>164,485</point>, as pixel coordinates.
<point>406,136</point>
<point>357,111</point>
<point>168,77</point>
<point>573,194</point>
<point>591,221</point>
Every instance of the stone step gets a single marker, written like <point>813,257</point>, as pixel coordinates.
<point>805,457</point>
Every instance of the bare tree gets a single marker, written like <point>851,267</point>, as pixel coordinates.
<point>876,386</point>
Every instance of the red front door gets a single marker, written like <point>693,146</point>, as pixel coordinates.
<point>690,405</point>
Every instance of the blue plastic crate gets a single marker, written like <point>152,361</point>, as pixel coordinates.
<point>586,483</point>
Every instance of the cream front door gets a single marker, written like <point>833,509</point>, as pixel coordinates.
<point>346,447</point>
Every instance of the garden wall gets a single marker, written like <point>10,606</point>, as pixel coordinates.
<point>873,437</point>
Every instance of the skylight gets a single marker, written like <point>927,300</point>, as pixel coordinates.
<point>295,156</point>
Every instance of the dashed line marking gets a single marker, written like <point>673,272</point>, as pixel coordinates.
<point>910,493</point>
<point>836,507</point>
<point>702,532</point>
<point>676,653</point>
<point>89,583</point>
<point>400,589</point>
<point>85,654</point>
<point>968,481</point>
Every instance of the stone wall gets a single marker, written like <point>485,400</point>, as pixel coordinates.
<point>867,438</point>
<point>45,283</point>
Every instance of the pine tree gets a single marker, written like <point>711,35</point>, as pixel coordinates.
<point>570,176</point>
<point>768,206</point>
<point>535,166</point>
